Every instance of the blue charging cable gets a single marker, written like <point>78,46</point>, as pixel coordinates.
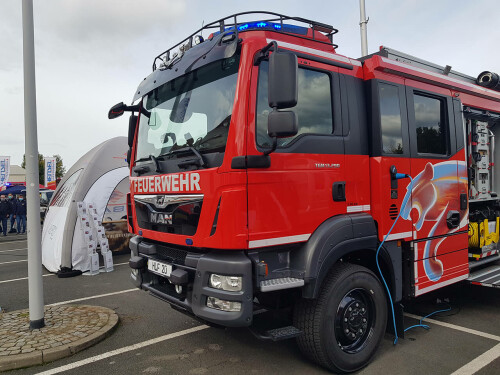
<point>405,201</point>
<point>425,326</point>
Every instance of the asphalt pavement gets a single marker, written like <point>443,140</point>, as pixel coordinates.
<point>153,338</point>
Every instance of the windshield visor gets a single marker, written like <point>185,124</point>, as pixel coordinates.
<point>192,110</point>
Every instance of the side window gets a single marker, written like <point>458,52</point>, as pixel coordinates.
<point>313,110</point>
<point>431,125</point>
<point>390,120</point>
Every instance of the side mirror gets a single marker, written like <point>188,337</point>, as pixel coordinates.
<point>132,124</point>
<point>282,124</point>
<point>283,78</point>
<point>117,110</point>
<point>129,155</point>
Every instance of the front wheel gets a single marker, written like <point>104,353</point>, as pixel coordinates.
<point>343,327</point>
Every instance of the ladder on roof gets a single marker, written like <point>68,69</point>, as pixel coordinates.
<point>396,55</point>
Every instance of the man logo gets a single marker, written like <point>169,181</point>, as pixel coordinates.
<point>160,200</point>
<point>160,218</point>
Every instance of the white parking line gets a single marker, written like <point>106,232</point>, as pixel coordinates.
<point>8,251</point>
<point>125,349</point>
<point>458,328</point>
<point>20,240</point>
<point>477,364</point>
<point>24,278</point>
<point>92,297</point>
<point>14,261</point>
<point>49,274</point>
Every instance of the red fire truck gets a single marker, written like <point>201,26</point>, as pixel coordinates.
<point>272,177</point>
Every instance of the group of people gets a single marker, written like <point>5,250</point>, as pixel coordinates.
<point>14,209</point>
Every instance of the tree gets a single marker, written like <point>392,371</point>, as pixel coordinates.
<point>60,169</point>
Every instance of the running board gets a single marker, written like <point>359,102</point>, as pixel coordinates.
<point>282,283</point>
<point>489,276</point>
<point>277,334</point>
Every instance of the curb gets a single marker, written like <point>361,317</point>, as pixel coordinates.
<point>40,357</point>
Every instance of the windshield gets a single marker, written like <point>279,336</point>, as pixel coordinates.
<point>190,111</point>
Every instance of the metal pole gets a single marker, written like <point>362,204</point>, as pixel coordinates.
<point>35,282</point>
<point>362,24</point>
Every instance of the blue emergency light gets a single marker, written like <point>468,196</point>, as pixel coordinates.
<point>260,25</point>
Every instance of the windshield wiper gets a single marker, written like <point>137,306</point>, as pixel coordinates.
<point>144,168</point>
<point>199,161</point>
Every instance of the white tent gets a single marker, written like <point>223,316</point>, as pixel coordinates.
<point>92,179</point>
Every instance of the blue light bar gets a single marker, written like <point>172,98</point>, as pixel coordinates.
<point>269,26</point>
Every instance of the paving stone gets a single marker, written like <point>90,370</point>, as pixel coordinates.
<point>66,325</point>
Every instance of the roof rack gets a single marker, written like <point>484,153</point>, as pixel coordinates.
<point>419,63</point>
<point>231,22</point>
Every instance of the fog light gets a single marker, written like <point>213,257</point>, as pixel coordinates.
<point>219,304</point>
<point>229,283</point>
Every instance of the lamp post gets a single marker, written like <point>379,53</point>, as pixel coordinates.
<point>35,281</point>
<point>362,24</point>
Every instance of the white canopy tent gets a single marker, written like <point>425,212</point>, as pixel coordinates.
<point>92,179</point>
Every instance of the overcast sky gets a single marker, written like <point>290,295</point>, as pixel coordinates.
<point>91,54</point>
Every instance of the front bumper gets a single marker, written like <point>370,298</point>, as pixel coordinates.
<point>188,289</point>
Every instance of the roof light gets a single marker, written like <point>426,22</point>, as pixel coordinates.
<point>294,29</point>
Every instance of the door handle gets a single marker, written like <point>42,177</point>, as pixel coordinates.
<point>453,219</point>
<point>338,191</point>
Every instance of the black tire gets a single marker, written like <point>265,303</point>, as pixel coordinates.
<point>351,299</point>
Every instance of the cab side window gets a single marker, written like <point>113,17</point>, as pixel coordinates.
<point>431,124</point>
<point>313,110</point>
<point>390,119</point>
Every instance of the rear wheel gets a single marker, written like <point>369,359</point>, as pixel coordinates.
<point>343,327</point>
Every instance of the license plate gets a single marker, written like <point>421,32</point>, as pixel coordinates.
<point>162,269</point>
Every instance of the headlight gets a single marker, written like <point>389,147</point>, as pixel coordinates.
<point>220,304</point>
<point>228,283</point>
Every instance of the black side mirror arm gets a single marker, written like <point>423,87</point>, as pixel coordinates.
<point>264,52</point>
<point>273,147</point>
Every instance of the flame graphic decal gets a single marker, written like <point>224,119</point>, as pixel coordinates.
<point>434,193</point>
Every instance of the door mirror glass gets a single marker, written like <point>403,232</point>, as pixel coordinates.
<point>283,92</point>
<point>282,124</point>
<point>132,123</point>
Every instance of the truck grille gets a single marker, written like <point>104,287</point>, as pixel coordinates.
<point>171,254</point>
<point>180,217</point>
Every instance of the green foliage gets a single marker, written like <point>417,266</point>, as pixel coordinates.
<point>60,169</point>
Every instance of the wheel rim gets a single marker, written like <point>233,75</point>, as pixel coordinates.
<point>355,320</point>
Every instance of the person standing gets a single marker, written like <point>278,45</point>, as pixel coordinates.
<point>21,215</point>
<point>5,212</point>
<point>13,203</point>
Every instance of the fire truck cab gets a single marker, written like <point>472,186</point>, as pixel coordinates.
<point>269,173</point>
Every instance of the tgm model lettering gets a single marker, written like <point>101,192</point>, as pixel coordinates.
<point>160,218</point>
<point>168,183</point>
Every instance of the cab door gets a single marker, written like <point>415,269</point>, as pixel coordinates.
<point>390,151</point>
<point>304,183</point>
<point>438,216</point>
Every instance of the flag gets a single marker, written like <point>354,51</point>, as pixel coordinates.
<point>4,171</point>
<point>50,173</point>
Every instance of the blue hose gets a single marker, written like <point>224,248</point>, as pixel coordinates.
<point>405,201</point>
<point>425,326</point>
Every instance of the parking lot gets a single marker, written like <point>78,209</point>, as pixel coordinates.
<point>153,338</point>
